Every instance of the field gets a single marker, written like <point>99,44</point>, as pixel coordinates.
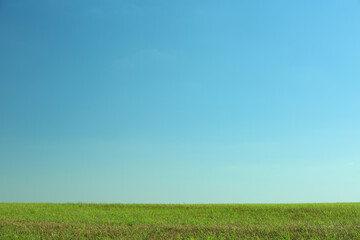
<point>167,221</point>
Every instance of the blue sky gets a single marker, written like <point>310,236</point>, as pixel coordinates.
<point>179,101</point>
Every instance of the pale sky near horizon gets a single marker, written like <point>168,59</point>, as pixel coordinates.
<point>169,101</point>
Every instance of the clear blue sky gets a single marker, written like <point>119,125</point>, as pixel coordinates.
<point>186,101</point>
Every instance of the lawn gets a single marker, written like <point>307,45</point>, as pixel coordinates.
<point>179,221</point>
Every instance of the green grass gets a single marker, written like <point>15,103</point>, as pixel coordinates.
<point>143,221</point>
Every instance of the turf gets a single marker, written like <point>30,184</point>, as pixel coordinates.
<point>168,221</point>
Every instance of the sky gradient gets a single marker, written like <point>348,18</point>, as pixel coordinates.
<point>179,101</point>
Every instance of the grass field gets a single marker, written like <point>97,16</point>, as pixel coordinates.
<point>142,221</point>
